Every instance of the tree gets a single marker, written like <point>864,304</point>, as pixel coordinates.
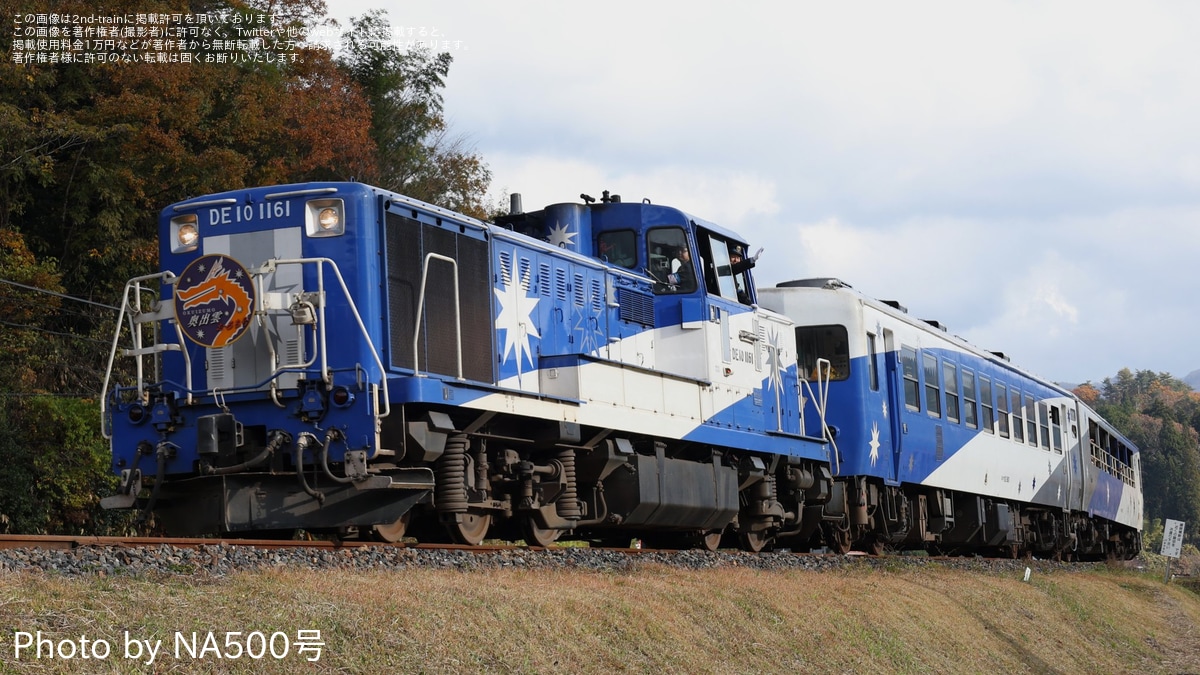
<point>416,155</point>
<point>91,152</point>
<point>1161,415</point>
<point>1088,393</point>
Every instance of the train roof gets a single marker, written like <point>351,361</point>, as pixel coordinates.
<point>896,310</point>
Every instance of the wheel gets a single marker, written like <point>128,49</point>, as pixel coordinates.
<point>469,528</point>
<point>754,542</point>
<point>876,546</point>
<point>711,541</point>
<point>536,535</point>
<point>837,539</point>
<point>392,532</point>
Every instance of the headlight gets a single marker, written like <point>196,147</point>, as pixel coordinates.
<point>186,233</point>
<point>325,217</point>
<point>329,219</point>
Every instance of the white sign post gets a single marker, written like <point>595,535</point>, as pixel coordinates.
<point>1172,542</point>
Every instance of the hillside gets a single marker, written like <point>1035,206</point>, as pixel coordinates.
<point>1192,379</point>
<point>858,618</point>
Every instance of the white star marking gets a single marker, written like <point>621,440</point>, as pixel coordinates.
<point>515,318</point>
<point>560,237</point>
<point>885,410</point>
<point>775,379</point>
<point>587,326</point>
<point>874,443</point>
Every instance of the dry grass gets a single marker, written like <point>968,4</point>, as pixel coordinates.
<point>652,620</point>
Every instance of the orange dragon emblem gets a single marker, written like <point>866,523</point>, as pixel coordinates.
<point>214,300</point>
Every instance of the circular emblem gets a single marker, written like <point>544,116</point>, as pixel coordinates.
<point>214,300</point>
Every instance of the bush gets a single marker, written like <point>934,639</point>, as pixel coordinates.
<point>56,468</point>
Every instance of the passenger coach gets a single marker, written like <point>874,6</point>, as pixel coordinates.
<point>941,445</point>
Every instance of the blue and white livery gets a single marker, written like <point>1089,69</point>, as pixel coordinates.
<point>378,364</point>
<point>942,445</point>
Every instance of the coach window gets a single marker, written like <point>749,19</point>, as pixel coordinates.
<point>1044,424</point>
<point>969,399</point>
<point>872,367</point>
<point>1002,409</point>
<point>823,342</point>
<point>950,382</point>
<point>912,388</point>
<point>933,394</point>
<point>1030,420</point>
<point>1056,428</point>
<point>985,404</point>
<point>1018,423</point>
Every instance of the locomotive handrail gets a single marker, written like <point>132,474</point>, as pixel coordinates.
<point>320,263</point>
<point>824,366</point>
<point>260,311</point>
<point>131,309</point>
<point>421,310</point>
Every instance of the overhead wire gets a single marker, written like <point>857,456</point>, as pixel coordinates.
<point>58,295</point>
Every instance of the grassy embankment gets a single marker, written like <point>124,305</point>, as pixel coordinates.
<point>900,619</point>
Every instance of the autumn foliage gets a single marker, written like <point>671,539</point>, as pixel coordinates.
<point>1161,415</point>
<point>89,155</point>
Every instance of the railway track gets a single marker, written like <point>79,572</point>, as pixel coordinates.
<point>142,557</point>
<point>67,542</point>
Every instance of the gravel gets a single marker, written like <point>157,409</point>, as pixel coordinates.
<point>223,559</point>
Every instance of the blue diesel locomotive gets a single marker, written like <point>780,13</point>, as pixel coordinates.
<point>338,358</point>
<point>943,446</point>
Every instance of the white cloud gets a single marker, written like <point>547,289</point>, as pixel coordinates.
<point>1025,172</point>
<point>730,198</point>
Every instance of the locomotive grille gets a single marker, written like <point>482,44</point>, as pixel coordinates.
<point>408,242</point>
<point>560,283</point>
<point>506,267</point>
<point>597,295</point>
<point>526,274</point>
<point>636,307</point>
<point>579,290</point>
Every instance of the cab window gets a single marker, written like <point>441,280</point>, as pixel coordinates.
<point>727,285</point>
<point>671,265</point>
<point>618,247</point>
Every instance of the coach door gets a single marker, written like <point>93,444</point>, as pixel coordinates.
<point>895,397</point>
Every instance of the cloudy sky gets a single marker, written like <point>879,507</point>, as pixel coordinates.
<point>1027,173</point>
